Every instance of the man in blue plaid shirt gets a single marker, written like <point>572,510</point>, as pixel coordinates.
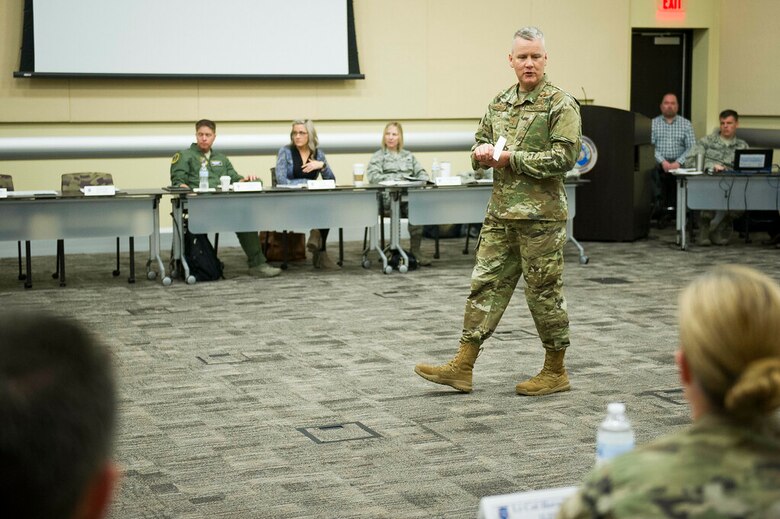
<point>672,137</point>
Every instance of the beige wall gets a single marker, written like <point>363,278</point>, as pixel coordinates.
<point>433,64</point>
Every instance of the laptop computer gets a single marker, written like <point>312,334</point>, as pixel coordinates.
<point>752,160</point>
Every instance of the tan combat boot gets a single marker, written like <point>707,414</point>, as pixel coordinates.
<point>313,246</point>
<point>551,379</point>
<point>456,373</point>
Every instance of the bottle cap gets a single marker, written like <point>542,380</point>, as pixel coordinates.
<point>616,408</point>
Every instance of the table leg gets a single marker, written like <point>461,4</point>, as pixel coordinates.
<point>395,228</point>
<point>682,213</point>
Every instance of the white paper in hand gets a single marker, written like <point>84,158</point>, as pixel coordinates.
<point>499,147</point>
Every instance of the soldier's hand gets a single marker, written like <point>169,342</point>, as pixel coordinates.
<point>484,153</point>
<point>502,162</point>
<point>249,178</point>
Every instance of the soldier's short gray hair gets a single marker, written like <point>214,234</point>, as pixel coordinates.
<point>529,33</point>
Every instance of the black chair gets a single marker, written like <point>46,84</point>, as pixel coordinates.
<point>72,183</point>
<point>7,182</point>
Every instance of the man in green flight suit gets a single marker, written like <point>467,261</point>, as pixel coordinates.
<point>524,230</point>
<point>185,168</point>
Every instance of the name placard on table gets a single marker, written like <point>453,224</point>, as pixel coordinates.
<point>321,184</point>
<point>535,504</point>
<point>99,190</point>
<point>247,186</point>
<point>448,181</point>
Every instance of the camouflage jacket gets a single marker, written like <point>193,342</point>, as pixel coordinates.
<point>716,150</point>
<point>543,131</point>
<point>391,165</point>
<point>713,469</point>
<point>185,167</point>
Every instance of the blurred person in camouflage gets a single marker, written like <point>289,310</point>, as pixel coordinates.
<point>524,230</point>
<point>393,162</point>
<point>58,408</point>
<point>185,169</point>
<point>718,150</point>
<point>727,463</point>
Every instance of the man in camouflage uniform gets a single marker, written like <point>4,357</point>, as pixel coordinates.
<point>718,151</point>
<point>524,230</point>
<point>185,170</point>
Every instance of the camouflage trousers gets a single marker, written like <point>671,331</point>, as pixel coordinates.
<point>507,250</point>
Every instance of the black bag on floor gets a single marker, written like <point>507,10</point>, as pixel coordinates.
<point>202,258</point>
<point>395,259</point>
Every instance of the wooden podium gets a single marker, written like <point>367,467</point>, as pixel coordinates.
<point>615,204</point>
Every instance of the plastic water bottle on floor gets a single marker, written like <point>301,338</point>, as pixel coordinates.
<point>204,177</point>
<point>615,435</point>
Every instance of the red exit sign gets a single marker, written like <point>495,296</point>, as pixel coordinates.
<point>670,10</point>
<point>671,6</point>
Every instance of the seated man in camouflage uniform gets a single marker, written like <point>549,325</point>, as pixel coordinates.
<point>185,167</point>
<point>718,151</point>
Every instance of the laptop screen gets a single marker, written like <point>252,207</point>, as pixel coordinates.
<point>755,160</point>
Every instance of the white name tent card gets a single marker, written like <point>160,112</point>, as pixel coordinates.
<point>321,184</point>
<point>536,504</point>
<point>448,181</point>
<point>3,192</point>
<point>247,186</point>
<point>99,190</point>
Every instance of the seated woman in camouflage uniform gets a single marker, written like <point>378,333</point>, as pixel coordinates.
<point>727,464</point>
<point>392,162</point>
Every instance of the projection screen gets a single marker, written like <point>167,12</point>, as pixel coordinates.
<point>190,38</point>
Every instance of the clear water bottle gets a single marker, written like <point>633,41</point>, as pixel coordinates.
<point>204,177</point>
<point>615,435</point>
<point>435,169</point>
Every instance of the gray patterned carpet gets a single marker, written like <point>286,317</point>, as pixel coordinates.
<point>295,397</point>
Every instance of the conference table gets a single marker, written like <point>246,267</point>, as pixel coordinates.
<point>275,208</point>
<point>723,192</point>
<point>50,215</point>
<point>286,209</point>
<point>467,204</point>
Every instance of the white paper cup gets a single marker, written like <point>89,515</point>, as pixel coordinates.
<point>357,174</point>
<point>224,182</point>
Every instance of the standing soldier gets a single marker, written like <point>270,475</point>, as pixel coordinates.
<point>524,230</point>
